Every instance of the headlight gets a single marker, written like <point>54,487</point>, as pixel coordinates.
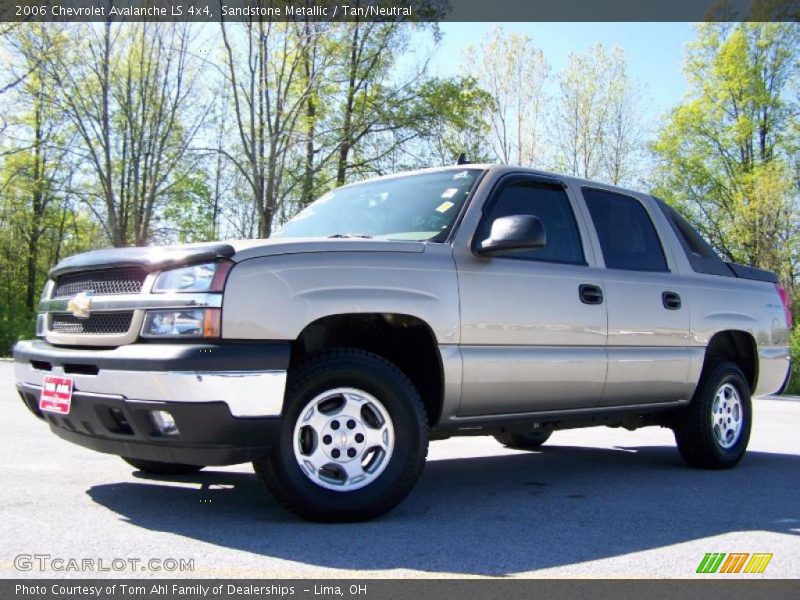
<point>208,277</point>
<point>186,323</point>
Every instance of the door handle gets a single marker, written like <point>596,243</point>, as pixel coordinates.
<point>671,300</point>
<point>590,294</point>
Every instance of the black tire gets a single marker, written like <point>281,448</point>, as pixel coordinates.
<point>523,441</point>
<point>154,467</point>
<point>340,368</point>
<point>693,426</point>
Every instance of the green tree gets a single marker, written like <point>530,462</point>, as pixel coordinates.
<point>190,215</point>
<point>727,156</point>
<point>451,117</point>
<point>595,122</point>
<point>373,124</point>
<point>515,73</point>
<point>129,92</point>
<point>272,74</point>
<point>35,172</point>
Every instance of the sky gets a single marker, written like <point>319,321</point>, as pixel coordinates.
<point>655,51</point>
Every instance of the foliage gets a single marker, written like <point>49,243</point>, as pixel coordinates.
<point>794,345</point>
<point>128,92</point>
<point>188,217</point>
<point>514,72</point>
<point>728,154</point>
<point>450,115</point>
<point>596,125</point>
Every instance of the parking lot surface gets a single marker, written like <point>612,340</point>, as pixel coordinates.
<point>592,503</point>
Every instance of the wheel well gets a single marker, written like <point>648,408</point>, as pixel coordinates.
<point>738,347</point>
<point>404,340</point>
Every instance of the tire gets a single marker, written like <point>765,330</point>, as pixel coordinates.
<point>154,467</point>
<point>714,430</point>
<point>523,441</point>
<point>353,440</point>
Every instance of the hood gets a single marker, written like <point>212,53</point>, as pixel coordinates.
<point>153,258</point>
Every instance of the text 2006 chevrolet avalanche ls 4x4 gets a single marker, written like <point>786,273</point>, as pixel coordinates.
<point>455,301</point>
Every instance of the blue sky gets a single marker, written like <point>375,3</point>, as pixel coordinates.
<point>655,50</point>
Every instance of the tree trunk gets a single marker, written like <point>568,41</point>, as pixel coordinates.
<point>37,207</point>
<point>347,125</point>
<point>307,189</point>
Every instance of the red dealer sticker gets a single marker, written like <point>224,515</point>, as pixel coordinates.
<point>56,395</point>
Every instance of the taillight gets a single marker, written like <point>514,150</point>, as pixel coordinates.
<point>787,304</point>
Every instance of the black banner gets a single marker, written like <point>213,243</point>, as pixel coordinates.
<point>400,10</point>
<point>370,589</point>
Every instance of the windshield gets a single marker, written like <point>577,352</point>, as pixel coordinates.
<point>415,207</point>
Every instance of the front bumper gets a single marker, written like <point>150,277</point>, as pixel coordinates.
<point>226,399</point>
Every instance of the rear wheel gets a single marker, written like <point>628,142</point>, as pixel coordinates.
<point>353,440</point>
<point>523,441</point>
<point>162,468</point>
<point>714,430</point>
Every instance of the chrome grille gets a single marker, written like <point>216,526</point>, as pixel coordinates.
<point>112,281</point>
<point>106,322</point>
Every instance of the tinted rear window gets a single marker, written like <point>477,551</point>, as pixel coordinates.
<point>627,236</point>
<point>701,256</point>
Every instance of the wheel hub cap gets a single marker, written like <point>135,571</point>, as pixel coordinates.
<point>727,416</point>
<point>343,439</point>
<point>342,433</point>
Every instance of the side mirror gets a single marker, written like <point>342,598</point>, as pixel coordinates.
<point>515,232</point>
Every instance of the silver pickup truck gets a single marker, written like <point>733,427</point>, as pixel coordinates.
<point>469,300</point>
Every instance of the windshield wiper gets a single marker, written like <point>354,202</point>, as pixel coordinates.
<point>350,235</point>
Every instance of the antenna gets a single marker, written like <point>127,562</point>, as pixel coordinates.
<point>462,159</point>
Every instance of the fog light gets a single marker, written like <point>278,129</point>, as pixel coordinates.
<point>164,422</point>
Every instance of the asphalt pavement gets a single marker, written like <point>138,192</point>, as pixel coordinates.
<point>592,503</point>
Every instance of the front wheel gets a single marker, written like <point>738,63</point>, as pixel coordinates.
<point>353,440</point>
<point>714,430</point>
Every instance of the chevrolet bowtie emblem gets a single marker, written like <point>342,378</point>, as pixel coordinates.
<point>81,305</point>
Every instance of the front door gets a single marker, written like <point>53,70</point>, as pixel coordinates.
<point>533,322</point>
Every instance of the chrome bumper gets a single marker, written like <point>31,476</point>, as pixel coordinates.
<point>144,372</point>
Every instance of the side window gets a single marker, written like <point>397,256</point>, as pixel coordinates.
<point>548,202</point>
<point>701,256</point>
<point>691,241</point>
<point>627,236</point>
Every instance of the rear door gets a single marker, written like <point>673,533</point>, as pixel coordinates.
<point>529,342</point>
<point>648,315</point>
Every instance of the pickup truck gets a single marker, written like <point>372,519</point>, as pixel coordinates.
<point>466,300</point>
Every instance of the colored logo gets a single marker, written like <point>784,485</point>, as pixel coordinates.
<point>735,562</point>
